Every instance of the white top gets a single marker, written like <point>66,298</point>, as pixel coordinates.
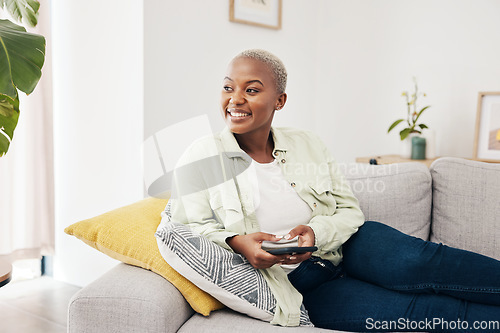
<point>278,207</point>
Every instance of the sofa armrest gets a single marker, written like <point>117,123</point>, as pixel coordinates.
<point>465,196</point>
<point>128,299</point>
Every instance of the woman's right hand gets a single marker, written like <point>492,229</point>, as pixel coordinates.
<point>251,247</point>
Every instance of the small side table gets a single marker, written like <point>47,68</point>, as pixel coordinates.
<point>5,272</point>
<point>389,159</point>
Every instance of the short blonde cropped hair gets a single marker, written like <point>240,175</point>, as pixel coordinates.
<point>274,63</point>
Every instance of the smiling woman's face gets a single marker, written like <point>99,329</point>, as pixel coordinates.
<point>249,97</point>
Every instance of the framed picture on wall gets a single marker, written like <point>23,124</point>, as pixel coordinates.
<point>487,140</point>
<point>262,13</point>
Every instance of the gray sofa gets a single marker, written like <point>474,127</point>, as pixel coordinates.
<point>456,202</point>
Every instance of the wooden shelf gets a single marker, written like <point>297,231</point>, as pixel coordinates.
<point>390,159</point>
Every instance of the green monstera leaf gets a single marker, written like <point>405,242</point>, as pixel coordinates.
<point>22,55</point>
<point>25,11</point>
<point>9,115</point>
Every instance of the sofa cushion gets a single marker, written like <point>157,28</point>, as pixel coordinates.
<point>466,205</point>
<point>227,276</point>
<point>398,195</point>
<point>127,234</point>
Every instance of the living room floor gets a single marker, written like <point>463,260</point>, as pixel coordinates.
<point>36,306</point>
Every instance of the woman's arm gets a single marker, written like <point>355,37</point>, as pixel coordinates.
<point>195,211</point>
<point>198,169</point>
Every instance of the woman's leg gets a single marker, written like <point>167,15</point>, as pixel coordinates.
<point>389,258</point>
<point>353,305</point>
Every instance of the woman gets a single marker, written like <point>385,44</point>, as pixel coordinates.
<point>281,187</point>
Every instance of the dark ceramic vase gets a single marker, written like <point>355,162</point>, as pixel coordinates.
<point>418,148</point>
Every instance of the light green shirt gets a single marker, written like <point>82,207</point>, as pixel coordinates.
<point>213,195</point>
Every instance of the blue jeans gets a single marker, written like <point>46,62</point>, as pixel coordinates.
<point>389,281</point>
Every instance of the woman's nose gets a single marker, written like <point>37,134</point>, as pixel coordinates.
<point>236,99</point>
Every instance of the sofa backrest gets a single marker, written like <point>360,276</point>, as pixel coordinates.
<point>398,195</point>
<point>466,201</point>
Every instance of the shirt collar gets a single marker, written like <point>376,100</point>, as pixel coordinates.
<point>279,140</point>
<point>232,149</point>
<point>230,145</point>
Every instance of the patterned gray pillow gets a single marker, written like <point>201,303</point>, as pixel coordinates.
<point>227,276</point>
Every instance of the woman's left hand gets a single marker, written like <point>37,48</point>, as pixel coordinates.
<point>306,238</point>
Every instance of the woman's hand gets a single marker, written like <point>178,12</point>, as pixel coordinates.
<point>306,238</point>
<point>251,247</point>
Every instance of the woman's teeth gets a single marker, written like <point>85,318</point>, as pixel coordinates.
<point>238,114</point>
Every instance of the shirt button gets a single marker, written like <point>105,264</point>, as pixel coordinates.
<point>276,153</point>
<point>283,161</point>
<point>293,184</point>
<point>315,205</point>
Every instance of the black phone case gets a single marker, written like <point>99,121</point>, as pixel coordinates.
<point>292,250</point>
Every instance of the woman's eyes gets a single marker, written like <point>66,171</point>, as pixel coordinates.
<point>248,90</point>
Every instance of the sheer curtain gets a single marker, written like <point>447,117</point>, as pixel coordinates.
<point>26,171</point>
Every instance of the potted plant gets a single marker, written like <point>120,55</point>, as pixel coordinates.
<point>412,124</point>
<point>22,55</point>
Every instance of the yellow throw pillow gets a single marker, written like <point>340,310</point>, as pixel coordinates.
<point>127,234</point>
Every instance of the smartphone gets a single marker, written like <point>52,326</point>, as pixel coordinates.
<point>292,250</point>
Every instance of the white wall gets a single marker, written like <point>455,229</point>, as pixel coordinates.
<point>98,117</point>
<point>371,49</point>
